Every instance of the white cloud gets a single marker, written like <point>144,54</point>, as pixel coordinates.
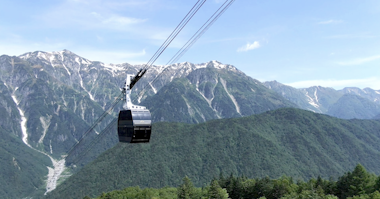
<point>114,20</point>
<point>122,21</point>
<point>371,82</point>
<point>85,15</point>
<point>249,46</point>
<point>331,21</point>
<point>359,61</point>
<point>129,3</point>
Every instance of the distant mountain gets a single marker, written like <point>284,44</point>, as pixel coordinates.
<point>353,106</point>
<point>333,102</point>
<point>305,99</point>
<point>294,142</point>
<point>368,93</point>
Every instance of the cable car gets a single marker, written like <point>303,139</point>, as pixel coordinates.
<point>134,126</point>
<point>134,122</point>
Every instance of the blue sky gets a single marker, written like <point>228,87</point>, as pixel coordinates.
<point>296,42</point>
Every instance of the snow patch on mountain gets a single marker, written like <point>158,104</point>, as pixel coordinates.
<point>52,59</point>
<point>41,55</point>
<point>189,109</point>
<point>114,69</point>
<point>209,101</point>
<point>316,96</point>
<point>45,122</point>
<point>159,68</point>
<point>62,57</point>
<point>54,174</point>
<point>154,90</point>
<point>51,148</point>
<point>81,84</point>
<point>58,166</point>
<point>231,96</point>
<point>312,101</point>
<point>23,122</point>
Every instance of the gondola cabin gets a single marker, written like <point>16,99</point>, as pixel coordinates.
<point>134,125</point>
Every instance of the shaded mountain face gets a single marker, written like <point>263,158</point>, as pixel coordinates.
<point>55,114</point>
<point>209,93</point>
<point>294,142</point>
<point>360,103</point>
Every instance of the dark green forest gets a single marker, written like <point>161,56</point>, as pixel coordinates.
<point>358,184</point>
<point>288,141</point>
<point>21,169</point>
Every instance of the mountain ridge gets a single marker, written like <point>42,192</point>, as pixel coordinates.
<point>325,100</point>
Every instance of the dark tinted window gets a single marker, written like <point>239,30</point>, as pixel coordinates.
<point>125,115</point>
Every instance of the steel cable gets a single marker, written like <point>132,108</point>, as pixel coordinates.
<point>158,53</point>
<point>95,140</point>
<point>191,41</point>
<point>105,113</point>
<point>174,34</point>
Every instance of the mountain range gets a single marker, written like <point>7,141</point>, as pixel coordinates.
<point>348,103</point>
<point>48,100</point>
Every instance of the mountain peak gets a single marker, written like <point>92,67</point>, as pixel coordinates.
<point>55,57</point>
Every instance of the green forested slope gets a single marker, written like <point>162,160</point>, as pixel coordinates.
<point>286,141</point>
<point>358,184</point>
<point>21,169</point>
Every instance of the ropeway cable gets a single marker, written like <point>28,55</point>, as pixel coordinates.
<point>171,37</point>
<point>174,34</point>
<point>200,31</point>
<point>95,140</point>
<point>192,40</point>
<point>105,113</point>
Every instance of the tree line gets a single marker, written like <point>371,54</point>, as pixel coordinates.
<point>358,184</point>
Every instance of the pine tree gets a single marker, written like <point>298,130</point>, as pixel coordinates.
<point>377,185</point>
<point>354,184</point>
<point>186,189</point>
<point>217,192</point>
<point>360,180</point>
